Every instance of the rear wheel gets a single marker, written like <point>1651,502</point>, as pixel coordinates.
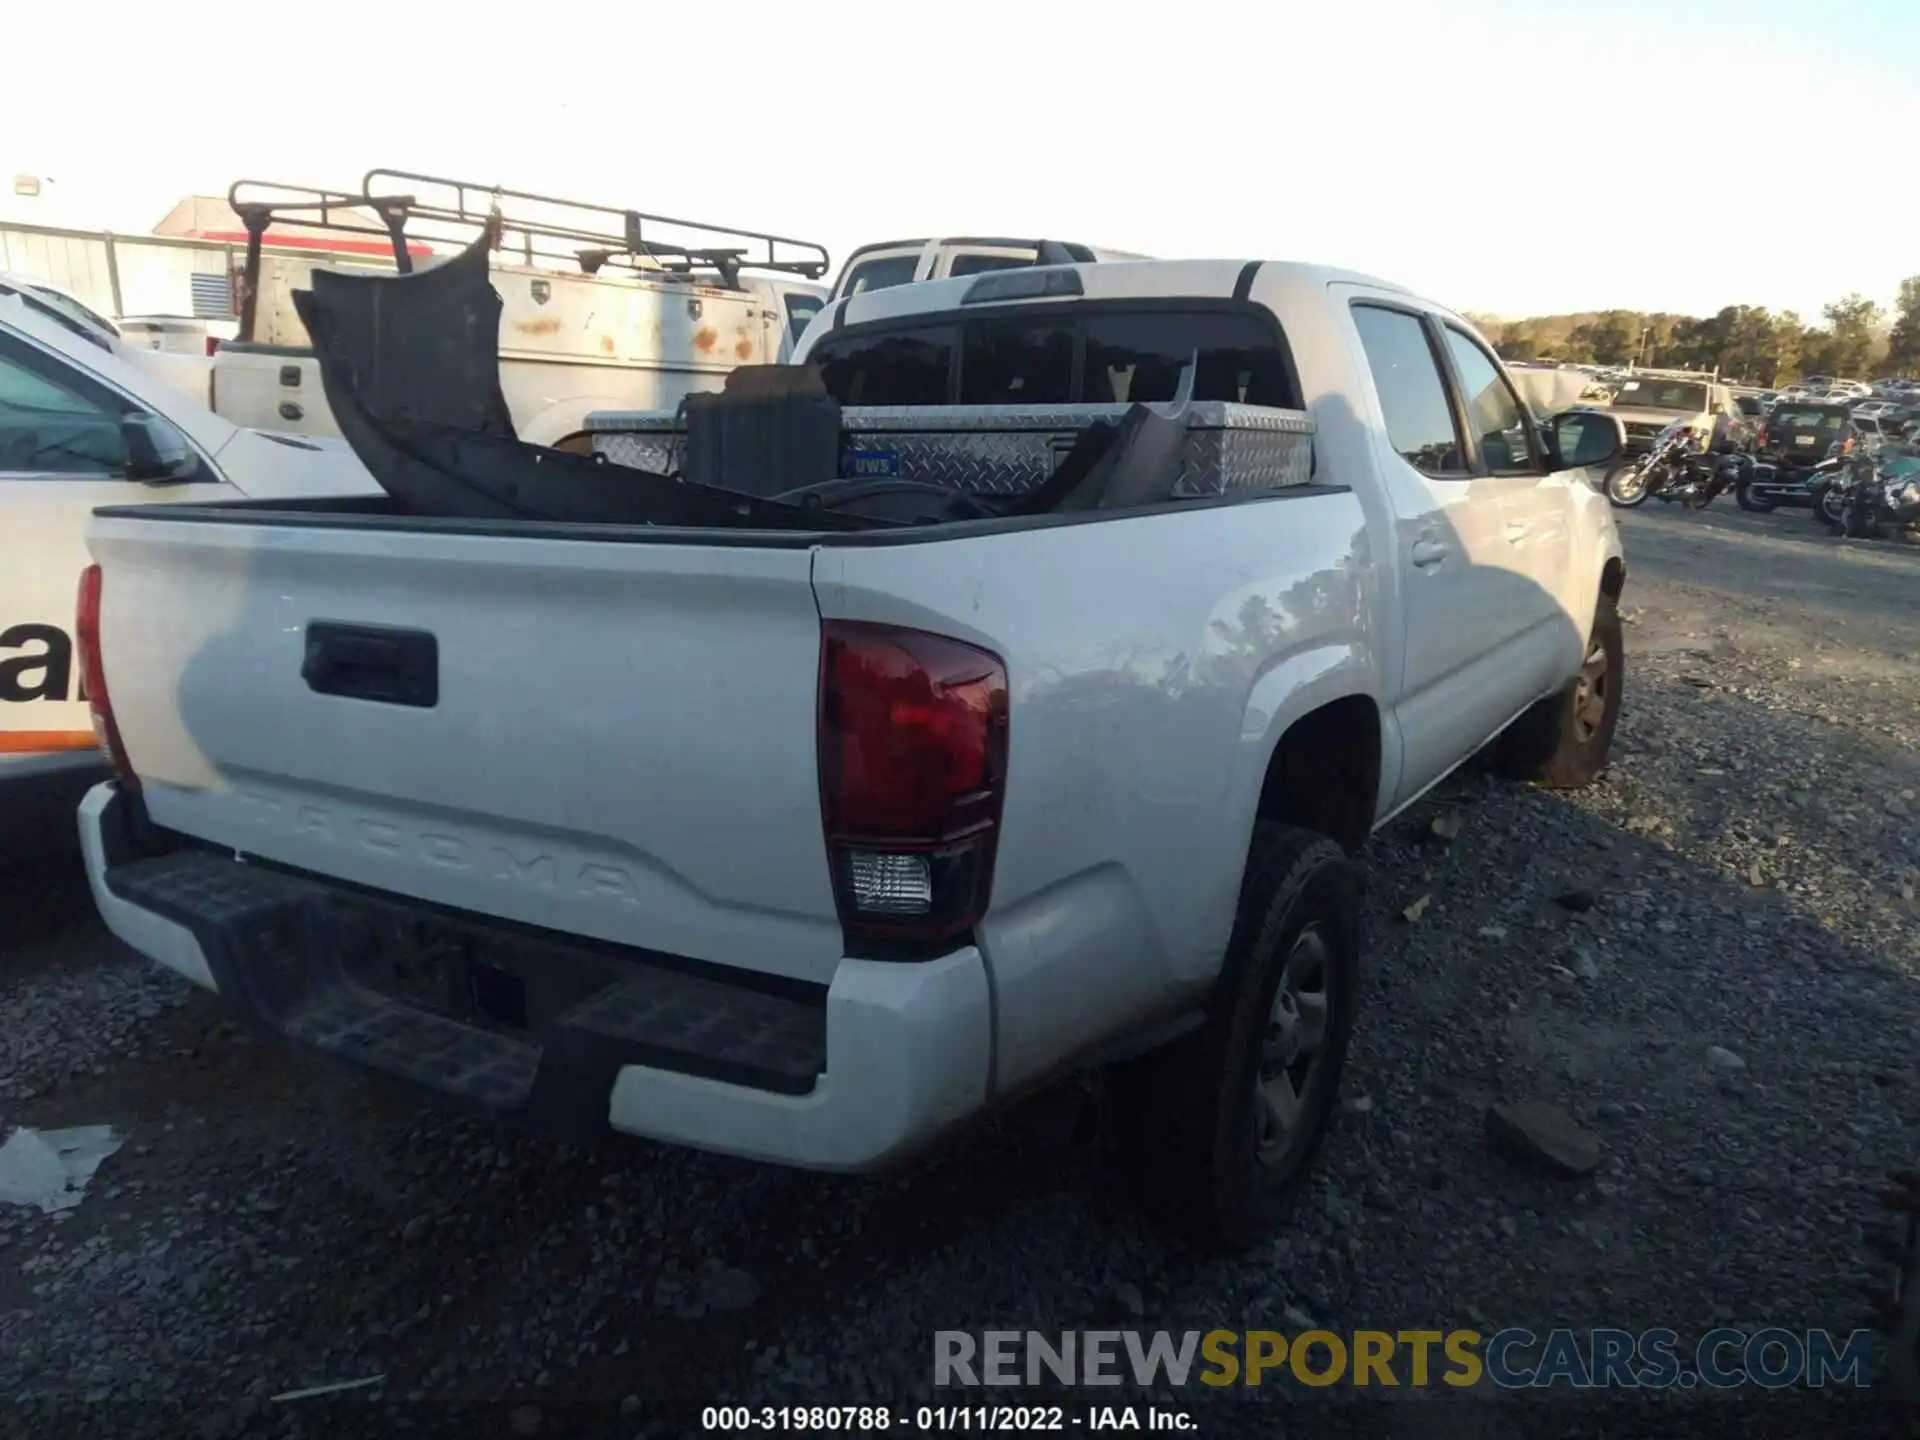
<point>1745,498</point>
<point>1221,1125</point>
<point>1562,742</point>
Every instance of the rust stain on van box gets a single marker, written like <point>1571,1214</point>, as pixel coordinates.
<point>545,325</point>
<point>704,338</point>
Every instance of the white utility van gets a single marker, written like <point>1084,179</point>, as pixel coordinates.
<point>601,308</point>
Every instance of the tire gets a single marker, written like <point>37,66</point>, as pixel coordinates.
<point>1619,475</point>
<point>1830,508</point>
<point>1562,742</point>
<point>1751,503</point>
<point>1194,1120</point>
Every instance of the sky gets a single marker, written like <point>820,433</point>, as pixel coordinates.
<point>1513,157</point>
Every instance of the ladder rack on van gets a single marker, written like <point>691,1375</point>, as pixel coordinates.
<point>1707,377</point>
<point>525,227</point>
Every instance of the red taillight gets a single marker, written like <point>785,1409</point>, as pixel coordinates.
<point>913,765</point>
<point>213,344</point>
<point>1762,438</point>
<point>93,677</point>
<point>1846,446</point>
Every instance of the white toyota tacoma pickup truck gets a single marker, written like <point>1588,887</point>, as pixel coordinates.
<point>811,840</point>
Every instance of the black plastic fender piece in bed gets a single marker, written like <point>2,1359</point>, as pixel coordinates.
<point>411,369</point>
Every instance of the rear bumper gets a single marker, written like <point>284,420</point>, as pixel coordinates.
<point>570,1038</point>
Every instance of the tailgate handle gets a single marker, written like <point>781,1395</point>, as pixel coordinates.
<point>381,663</point>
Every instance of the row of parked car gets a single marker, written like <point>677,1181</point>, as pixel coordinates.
<point>1867,405</point>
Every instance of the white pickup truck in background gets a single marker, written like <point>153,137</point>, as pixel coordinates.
<point>600,308</point>
<point>801,835</point>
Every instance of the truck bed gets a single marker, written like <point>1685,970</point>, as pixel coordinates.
<point>621,739</point>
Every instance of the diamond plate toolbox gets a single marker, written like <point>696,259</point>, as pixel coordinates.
<point>1008,449</point>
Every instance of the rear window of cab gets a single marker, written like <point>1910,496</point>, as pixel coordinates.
<point>1065,354</point>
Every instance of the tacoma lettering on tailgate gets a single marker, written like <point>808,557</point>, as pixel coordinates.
<point>441,849</point>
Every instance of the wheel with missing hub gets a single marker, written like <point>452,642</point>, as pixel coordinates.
<point>1563,741</point>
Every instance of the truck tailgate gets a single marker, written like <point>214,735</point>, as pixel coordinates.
<point>622,742</point>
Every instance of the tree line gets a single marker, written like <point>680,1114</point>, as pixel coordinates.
<point>1745,342</point>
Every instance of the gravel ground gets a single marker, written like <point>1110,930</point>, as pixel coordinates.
<point>1742,878</point>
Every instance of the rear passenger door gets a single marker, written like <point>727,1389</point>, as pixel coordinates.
<point>1467,602</point>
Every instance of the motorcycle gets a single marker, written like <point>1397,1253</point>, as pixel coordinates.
<point>1681,466</point>
<point>1883,492</point>
<point>1767,486</point>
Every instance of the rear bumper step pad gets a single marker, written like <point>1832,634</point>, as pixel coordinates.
<point>514,1023</point>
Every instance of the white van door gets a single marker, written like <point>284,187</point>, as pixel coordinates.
<point>798,305</point>
<point>63,451</point>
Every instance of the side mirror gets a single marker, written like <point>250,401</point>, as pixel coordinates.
<point>1579,438</point>
<point>157,453</point>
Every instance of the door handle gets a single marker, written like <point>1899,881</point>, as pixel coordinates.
<point>1428,551</point>
<point>372,662</point>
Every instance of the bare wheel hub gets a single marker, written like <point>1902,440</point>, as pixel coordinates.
<point>1292,1048</point>
<point>1590,692</point>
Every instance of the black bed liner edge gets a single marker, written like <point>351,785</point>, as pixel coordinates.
<point>353,513</point>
